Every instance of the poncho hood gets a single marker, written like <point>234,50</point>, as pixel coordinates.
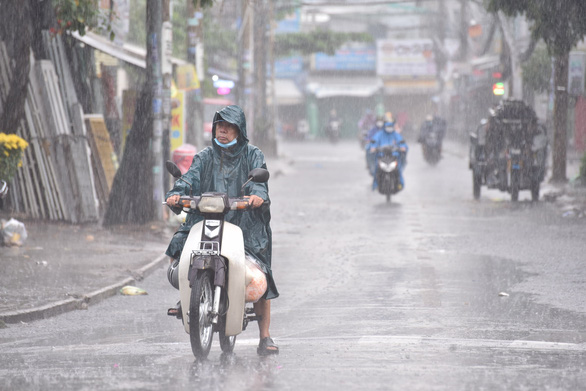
<point>234,115</point>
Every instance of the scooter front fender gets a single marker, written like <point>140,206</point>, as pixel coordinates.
<point>232,249</point>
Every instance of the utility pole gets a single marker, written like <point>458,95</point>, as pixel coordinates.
<point>155,81</point>
<point>167,74</point>
<point>441,54</point>
<point>241,84</point>
<point>262,122</point>
<point>273,121</point>
<point>515,80</point>
<point>463,31</point>
<point>193,103</point>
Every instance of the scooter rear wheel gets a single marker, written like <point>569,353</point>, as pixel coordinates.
<point>200,322</point>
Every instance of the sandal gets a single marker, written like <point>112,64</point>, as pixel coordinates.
<point>267,346</point>
<point>176,311</point>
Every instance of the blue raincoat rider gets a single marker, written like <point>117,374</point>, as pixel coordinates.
<point>371,156</point>
<point>390,137</point>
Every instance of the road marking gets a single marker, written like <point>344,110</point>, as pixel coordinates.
<point>334,159</point>
<point>415,340</point>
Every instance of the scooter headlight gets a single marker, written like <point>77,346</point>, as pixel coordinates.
<point>211,204</point>
<point>387,167</point>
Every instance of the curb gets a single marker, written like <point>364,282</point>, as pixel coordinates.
<point>91,298</point>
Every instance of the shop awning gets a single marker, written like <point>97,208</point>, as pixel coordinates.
<point>327,87</point>
<point>128,53</point>
<point>286,92</point>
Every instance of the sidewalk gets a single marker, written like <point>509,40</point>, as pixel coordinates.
<point>63,267</point>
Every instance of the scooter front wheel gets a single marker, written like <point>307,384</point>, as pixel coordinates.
<point>227,342</point>
<point>200,321</point>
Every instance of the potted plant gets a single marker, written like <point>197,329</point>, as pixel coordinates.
<point>11,148</point>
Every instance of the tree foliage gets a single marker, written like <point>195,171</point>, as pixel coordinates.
<point>81,16</point>
<point>537,70</point>
<point>560,23</point>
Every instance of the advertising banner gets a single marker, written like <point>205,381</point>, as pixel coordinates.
<point>348,59</point>
<point>187,77</point>
<point>576,71</point>
<point>178,121</point>
<point>405,58</point>
<point>287,68</point>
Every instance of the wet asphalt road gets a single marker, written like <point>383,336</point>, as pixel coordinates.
<point>373,296</point>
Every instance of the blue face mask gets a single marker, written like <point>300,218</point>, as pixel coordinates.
<point>227,145</point>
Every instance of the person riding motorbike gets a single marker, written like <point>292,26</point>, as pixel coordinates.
<point>367,121</point>
<point>333,126</point>
<point>390,137</point>
<point>224,167</point>
<point>370,156</point>
<point>432,123</point>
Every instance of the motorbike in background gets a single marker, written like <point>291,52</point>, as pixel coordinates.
<point>431,146</point>
<point>333,130</point>
<point>215,277</point>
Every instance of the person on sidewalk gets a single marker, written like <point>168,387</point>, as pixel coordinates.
<point>223,167</point>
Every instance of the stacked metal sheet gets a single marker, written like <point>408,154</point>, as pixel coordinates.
<point>56,181</point>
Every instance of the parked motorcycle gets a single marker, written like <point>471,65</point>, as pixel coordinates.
<point>3,189</point>
<point>508,151</point>
<point>213,273</point>
<point>387,175</point>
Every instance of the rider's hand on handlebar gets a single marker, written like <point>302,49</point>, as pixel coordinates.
<point>255,201</point>
<point>173,200</point>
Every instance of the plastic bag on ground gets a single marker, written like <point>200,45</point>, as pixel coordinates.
<point>13,233</point>
<point>257,286</point>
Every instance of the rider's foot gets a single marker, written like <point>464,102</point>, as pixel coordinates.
<point>176,311</point>
<point>267,346</point>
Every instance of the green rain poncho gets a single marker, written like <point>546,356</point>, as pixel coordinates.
<point>225,170</point>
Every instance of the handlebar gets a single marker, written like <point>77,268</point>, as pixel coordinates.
<point>191,202</point>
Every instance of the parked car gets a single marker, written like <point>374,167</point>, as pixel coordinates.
<point>508,151</point>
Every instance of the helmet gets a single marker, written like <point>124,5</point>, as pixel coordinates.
<point>390,126</point>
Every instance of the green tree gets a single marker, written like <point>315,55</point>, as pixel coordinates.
<point>21,24</point>
<point>537,70</point>
<point>561,24</point>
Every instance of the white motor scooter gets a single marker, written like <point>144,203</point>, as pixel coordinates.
<point>213,273</point>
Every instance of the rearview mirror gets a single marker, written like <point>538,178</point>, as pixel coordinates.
<point>173,169</point>
<point>259,175</point>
